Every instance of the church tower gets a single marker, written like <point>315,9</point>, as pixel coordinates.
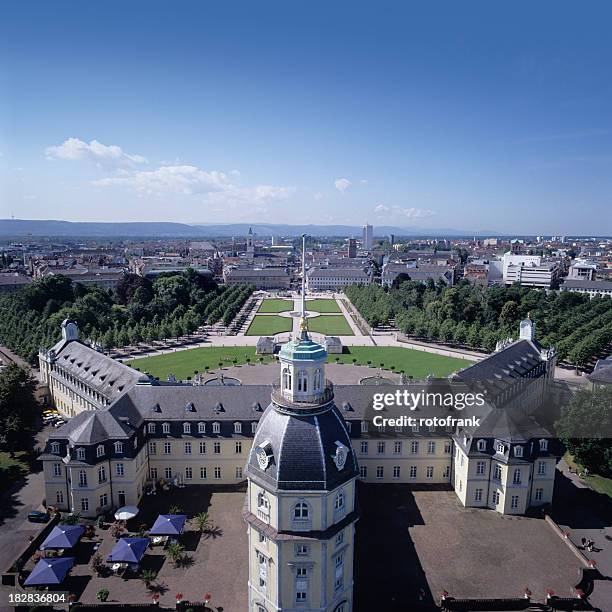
<point>300,509</point>
<point>250,245</point>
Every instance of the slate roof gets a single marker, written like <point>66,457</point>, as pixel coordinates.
<point>102,373</point>
<point>303,448</point>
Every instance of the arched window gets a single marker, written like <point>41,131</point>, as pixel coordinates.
<point>300,510</point>
<point>302,381</point>
<point>317,379</point>
<point>287,379</point>
<point>187,428</point>
<point>543,445</point>
<point>81,454</point>
<point>119,447</point>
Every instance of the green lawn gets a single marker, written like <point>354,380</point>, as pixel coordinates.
<point>601,484</point>
<point>268,325</point>
<point>328,306</point>
<point>330,325</point>
<point>183,363</point>
<point>417,364</point>
<point>274,305</point>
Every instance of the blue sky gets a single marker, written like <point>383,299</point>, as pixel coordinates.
<point>472,115</point>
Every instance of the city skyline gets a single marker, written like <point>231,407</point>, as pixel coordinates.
<point>482,120</point>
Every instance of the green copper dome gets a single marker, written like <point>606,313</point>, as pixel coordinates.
<point>303,349</point>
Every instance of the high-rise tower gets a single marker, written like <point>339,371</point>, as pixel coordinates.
<point>301,474</point>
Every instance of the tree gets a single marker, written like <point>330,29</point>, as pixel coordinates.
<point>102,594</point>
<point>202,521</point>
<point>585,427</point>
<point>509,313</point>
<point>148,576</point>
<point>18,407</point>
<point>175,552</point>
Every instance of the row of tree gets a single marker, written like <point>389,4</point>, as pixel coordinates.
<point>139,309</point>
<point>579,327</point>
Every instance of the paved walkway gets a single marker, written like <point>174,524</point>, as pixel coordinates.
<point>349,318</point>
<point>587,514</point>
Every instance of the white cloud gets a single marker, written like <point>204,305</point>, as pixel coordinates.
<point>397,211</point>
<point>188,180</point>
<point>104,155</point>
<point>318,196</point>
<point>342,184</point>
<point>169,179</point>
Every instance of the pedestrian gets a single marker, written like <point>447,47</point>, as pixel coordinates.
<point>584,542</point>
<point>590,545</point>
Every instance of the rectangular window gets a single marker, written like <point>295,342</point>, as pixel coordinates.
<point>57,469</point>
<point>480,467</point>
<point>59,497</point>
<point>431,448</point>
<point>238,448</point>
<point>82,478</point>
<point>396,471</point>
<point>167,448</point>
<point>380,448</point>
<point>413,471</point>
<point>216,427</point>
<point>188,473</point>
<point>103,500</point>
<point>379,471</point>
<point>516,476</point>
<point>188,448</point>
<point>495,498</point>
<point>203,473</point>
<point>217,473</point>
<point>397,447</point>
<point>201,427</point>
<point>478,495</point>
<point>300,596</point>
<point>363,471</point>
<point>514,500</point>
<point>447,471</point>
<point>119,469</point>
<point>364,448</point>
<point>202,448</point>
<point>238,428</point>
<point>448,447</point>
<point>414,447</point>
<point>152,448</point>
<point>153,473</point>
<point>217,448</point>
<point>238,472</point>
<point>541,468</point>
<point>84,504</point>
<point>166,428</point>
<point>429,472</point>
<point>497,473</point>
<point>151,427</point>
<point>364,426</point>
<point>302,550</point>
<point>168,472</point>
<point>539,494</point>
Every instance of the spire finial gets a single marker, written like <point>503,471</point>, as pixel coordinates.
<point>303,318</point>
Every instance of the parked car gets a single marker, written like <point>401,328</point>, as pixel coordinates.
<point>36,516</point>
<point>59,423</point>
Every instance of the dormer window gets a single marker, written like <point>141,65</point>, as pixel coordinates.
<point>364,427</point>
<point>119,448</point>
<point>216,427</point>
<point>166,428</point>
<point>238,427</point>
<point>481,445</point>
<point>518,451</point>
<point>187,428</point>
<point>55,448</point>
<point>151,427</point>
<point>81,454</point>
<point>100,451</point>
<point>253,426</point>
<point>543,445</point>
<point>201,427</point>
<point>501,448</point>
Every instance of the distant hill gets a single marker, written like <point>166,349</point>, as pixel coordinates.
<point>163,229</point>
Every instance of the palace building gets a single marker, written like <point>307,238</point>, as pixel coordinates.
<point>300,445</point>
